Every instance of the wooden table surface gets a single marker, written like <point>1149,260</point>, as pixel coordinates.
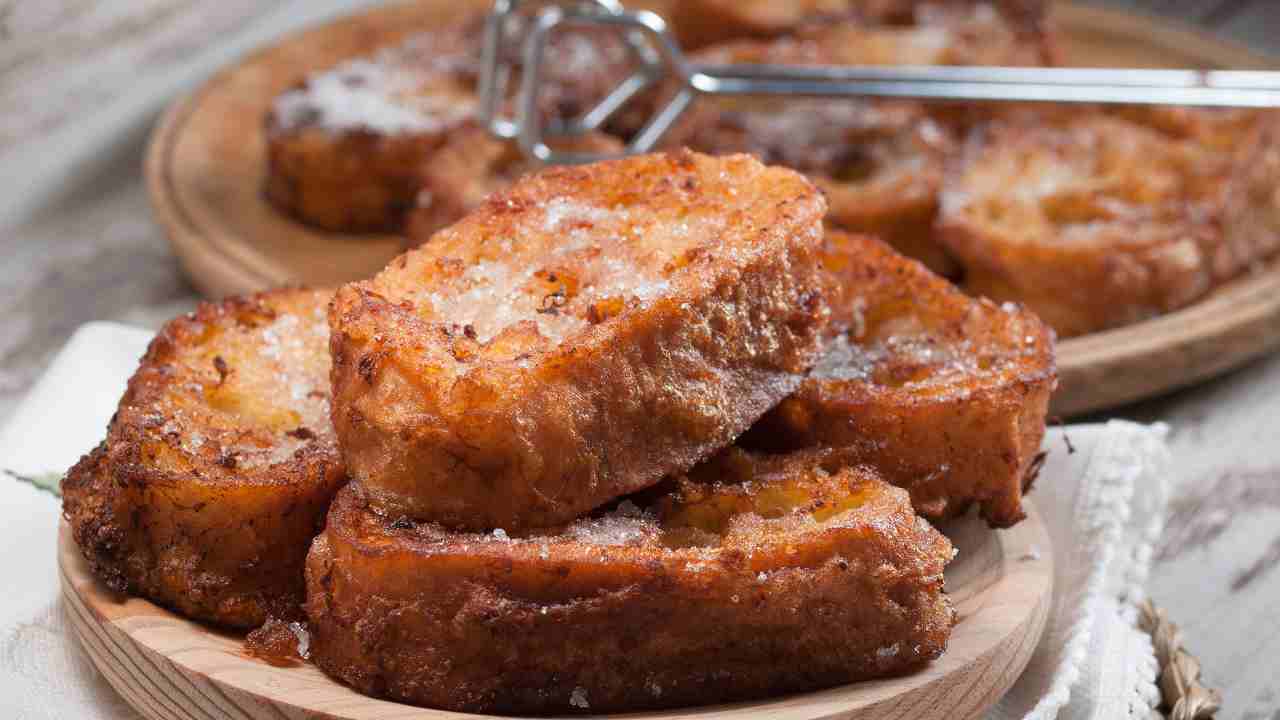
<point>81,83</point>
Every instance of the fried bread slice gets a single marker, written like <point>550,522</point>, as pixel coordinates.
<point>944,394</point>
<point>346,147</point>
<point>219,464</point>
<point>1096,219</point>
<point>751,577</point>
<point>577,338</point>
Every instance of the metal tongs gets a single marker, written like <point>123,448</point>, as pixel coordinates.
<point>659,59</point>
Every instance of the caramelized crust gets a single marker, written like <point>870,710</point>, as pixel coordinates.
<point>1097,219</point>
<point>750,578</point>
<point>219,464</point>
<point>945,395</point>
<point>578,338</point>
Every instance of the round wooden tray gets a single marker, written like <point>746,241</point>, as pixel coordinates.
<point>170,668</point>
<point>206,165</point>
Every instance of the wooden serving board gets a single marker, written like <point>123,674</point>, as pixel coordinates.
<point>206,164</point>
<point>170,668</point>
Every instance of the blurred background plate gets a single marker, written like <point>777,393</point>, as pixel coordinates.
<point>206,164</point>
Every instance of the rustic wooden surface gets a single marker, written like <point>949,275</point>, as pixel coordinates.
<point>81,84</point>
<point>174,669</point>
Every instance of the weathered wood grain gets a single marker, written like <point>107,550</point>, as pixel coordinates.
<point>1217,571</point>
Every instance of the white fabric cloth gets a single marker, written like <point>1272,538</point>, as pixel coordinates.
<point>1103,505</point>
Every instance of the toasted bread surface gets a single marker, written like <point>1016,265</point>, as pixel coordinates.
<point>944,394</point>
<point>577,338</point>
<point>218,465</point>
<point>1099,218</point>
<point>750,577</point>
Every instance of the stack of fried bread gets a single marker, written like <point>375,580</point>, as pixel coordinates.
<point>631,435</point>
<point>1056,208</point>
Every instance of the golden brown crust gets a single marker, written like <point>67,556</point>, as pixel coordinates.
<point>219,464</point>
<point>945,395</point>
<point>681,597</point>
<point>1116,215</point>
<point>578,338</point>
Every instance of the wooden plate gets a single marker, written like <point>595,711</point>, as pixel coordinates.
<point>206,165</point>
<point>170,668</point>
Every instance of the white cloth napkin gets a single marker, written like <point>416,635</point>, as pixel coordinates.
<point>1103,502</point>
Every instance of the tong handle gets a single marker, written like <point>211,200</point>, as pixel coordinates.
<point>660,59</point>
<point>1221,88</point>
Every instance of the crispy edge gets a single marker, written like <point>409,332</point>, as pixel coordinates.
<point>161,535</point>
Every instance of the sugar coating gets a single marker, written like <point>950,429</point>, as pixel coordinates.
<point>496,292</point>
<point>612,530</point>
<point>910,358</point>
<point>390,92</point>
<point>561,210</point>
<point>303,637</point>
<point>235,409</point>
<point>425,85</point>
